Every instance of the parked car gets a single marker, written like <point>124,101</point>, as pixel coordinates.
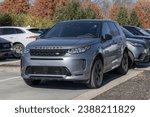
<point>139,49</point>
<point>137,31</point>
<point>139,37</point>
<point>19,36</point>
<point>77,50</point>
<point>5,48</point>
<point>38,30</point>
<point>148,30</point>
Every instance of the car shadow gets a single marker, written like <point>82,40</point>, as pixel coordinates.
<point>65,85</point>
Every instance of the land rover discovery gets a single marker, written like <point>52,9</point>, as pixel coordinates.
<point>77,50</point>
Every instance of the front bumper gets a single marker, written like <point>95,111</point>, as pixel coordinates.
<point>142,55</point>
<point>77,67</point>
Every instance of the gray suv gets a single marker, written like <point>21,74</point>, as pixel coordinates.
<point>77,50</point>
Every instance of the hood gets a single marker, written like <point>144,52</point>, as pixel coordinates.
<point>141,37</point>
<point>145,43</point>
<point>4,41</point>
<point>136,40</point>
<point>63,42</point>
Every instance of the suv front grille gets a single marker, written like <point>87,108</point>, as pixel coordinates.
<point>48,52</point>
<point>46,70</point>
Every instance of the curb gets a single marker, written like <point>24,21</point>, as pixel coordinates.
<point>95,92</point>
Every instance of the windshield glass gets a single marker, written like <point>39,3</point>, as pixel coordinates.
<point>143,31</point>
<point>73,29</point>
<point>127,33</point>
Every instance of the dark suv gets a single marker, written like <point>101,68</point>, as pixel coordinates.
<point>5,48</point>
<point>77,50</point>
<point>137,30</point>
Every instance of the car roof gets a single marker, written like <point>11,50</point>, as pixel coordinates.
<point>130,26</point>
<point>89,20</point>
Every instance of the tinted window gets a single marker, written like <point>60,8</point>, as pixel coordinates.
<point>114,29</point>
<point>35,30</point>
<point>133,30</point>
<point>1,31</point>
<point>7,31</point>
<point>127,33</point>
<point>74,29</point>
<point>143,31</point>
<point>105,29</point>
<point>18,31</point>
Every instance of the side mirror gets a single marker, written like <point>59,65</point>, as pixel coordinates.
<point>108,37</point>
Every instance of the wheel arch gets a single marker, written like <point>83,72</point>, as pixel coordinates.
<point>17,43</point>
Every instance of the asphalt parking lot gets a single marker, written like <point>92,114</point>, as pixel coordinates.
<point>134,85</point>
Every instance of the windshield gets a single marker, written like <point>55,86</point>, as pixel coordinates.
<point>35,30</point>
<point>73,29</point>
<point>143,31</point>
<point>127,33</point>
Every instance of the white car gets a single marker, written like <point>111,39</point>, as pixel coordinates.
<point>19,36</point>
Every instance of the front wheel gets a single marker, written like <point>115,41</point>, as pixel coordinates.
<point>123,68</point>
<point>96,74</point>
<point>18,50</point>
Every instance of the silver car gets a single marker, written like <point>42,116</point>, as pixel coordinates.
<point>77,50</point>
<point>139,48</point>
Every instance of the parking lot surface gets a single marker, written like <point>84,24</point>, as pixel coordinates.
<point>114,87</point>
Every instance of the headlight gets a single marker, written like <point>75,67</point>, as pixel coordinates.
<point>78,50</point>
<point>26,51</point>
<point>136,44</point>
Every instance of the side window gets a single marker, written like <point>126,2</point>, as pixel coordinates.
<point>114,30</point>
<point>7,31</point>
<point>105,30</point>
<point>18,31</point>
<point>1,31</point>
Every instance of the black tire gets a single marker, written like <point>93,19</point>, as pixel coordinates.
<point>32,82</point>
<point>17,50</point>
<point>131,59</point>
<point>96,74</point>
<point>123,68</point>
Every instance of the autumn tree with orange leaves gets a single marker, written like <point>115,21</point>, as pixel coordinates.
<point>94,7</point>
<point>45,8</point>
<point>113,12</point>
<point>142,8</point>
<point>15,6</point>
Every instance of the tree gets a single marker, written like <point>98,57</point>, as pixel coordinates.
<point>114,12</point>
<point>134,19</point>
<point>17,6</point>
<point>5,19</point>
<point>46,8</point>
<point>122,16</point>
<point>74,10</point>
<point>88,4</point>
<point>142,8</point>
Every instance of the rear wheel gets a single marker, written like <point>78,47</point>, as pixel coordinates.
<point>17,50</point>
<point>32,82</point>
<point>131,59</point>
<point>96,74</point>
<point>123,68</point>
